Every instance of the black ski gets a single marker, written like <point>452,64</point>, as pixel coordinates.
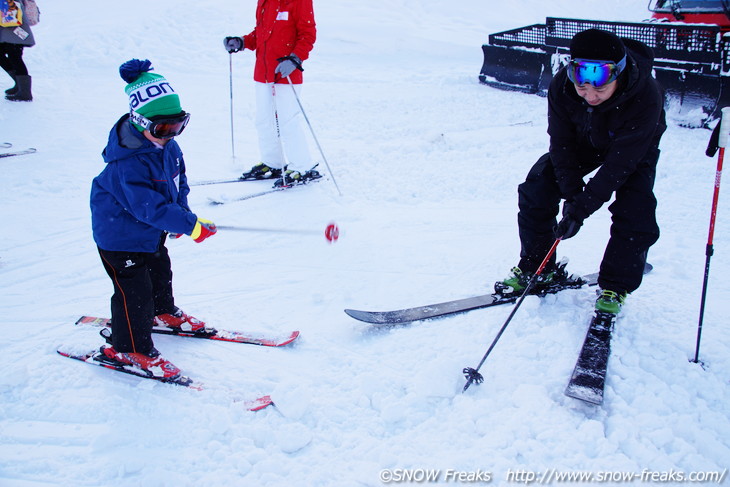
<point>18,152</point>
<point>589,375</point>
<point>459,305</point>
<point>462,305</point>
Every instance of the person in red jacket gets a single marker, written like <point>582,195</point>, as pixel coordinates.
<point>284,35</point>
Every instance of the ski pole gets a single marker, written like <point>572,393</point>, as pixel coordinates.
<point>718,140</point>
<point>331,232</point>
<point>473,375</point>
<point>230,85</point>
<point>314,136</point>
<point>278,134</point>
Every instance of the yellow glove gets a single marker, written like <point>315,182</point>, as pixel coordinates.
<point>202,230</point>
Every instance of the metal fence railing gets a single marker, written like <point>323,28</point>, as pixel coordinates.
<point>691,42</point>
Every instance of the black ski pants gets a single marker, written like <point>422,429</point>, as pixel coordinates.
<point>633,230</point>
<point>142,290</point>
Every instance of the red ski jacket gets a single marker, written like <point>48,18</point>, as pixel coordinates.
<point>283,27</point>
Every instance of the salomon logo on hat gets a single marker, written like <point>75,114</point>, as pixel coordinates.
<point>150,94</point>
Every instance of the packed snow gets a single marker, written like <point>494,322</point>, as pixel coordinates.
<point>428,162</point>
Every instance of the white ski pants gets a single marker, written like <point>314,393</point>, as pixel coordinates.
<point>285,143</point>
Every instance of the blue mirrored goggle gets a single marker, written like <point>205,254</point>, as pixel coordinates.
<point>596,73</point>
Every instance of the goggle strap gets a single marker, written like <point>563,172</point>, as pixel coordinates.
<point>621,65</point>
<point>143,122</point>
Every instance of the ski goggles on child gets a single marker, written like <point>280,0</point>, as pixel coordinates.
<point>162,126</point>
<point>596,73</point>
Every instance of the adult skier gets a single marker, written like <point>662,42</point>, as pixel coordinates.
<point>605,113</point>
<point>283,37</point>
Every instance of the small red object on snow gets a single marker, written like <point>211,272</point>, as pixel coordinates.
<point>332,232</point>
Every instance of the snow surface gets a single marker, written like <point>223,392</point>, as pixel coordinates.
<point>428,161</point>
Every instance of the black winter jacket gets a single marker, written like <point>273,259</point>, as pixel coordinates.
<point>618,135</point>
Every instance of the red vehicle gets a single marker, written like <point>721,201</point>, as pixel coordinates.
<point>692,55</point>
<point>715,12</point>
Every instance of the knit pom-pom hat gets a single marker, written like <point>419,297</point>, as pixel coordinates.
<point>150,94</point>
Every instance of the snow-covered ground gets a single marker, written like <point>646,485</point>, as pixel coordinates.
<point>428,161</point>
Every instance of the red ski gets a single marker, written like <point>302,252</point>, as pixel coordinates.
<point>97,358</point>
<point>210,333</point>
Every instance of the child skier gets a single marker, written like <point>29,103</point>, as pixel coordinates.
<point>136,201</point>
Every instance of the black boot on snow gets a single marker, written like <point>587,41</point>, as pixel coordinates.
<point>261,171</point>
<point>295,177</point>
<point>23,93</point>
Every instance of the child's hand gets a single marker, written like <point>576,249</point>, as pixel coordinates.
<point>203,229</point>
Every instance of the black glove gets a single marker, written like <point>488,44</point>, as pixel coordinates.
<point>570,224</point>
<point>288,64</point>
<point>233,44</point>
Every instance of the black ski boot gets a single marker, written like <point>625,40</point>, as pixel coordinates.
<point>295,177</point>
<point>261,171</point>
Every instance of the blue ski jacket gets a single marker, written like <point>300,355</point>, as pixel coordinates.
<point>141,193</point>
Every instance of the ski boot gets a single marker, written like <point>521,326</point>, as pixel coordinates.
<point>610,301</point>
<point>547,282</point>
<point>152,364</point>
<point>516,282</point>
<point>261,171</point>
<point>295,177</point>
<point>179,321</point>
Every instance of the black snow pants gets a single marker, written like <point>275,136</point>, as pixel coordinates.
<point>633,230</point>
<point>142,290</point>
<point>11,59</point>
